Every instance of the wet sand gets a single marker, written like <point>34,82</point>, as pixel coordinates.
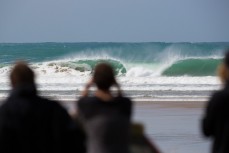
<point>173,126</point>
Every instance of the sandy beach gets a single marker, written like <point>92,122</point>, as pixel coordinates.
<point>173,126</point>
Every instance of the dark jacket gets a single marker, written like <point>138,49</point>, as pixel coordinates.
<point>107,124</point>
<point>31,124</point>
<point>216,121</point>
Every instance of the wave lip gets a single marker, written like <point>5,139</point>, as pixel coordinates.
<point>89,65</point>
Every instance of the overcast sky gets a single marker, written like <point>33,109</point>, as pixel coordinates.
<point>114,20</point>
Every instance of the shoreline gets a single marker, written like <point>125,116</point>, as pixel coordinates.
<point>70,105</point>
<point>172,104</point>
<point>158,104</point>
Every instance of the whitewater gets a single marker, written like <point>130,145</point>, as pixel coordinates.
<point>146,71</point>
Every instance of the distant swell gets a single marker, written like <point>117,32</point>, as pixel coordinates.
<point>193,67</point>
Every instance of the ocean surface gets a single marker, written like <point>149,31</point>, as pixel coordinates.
<point>146,71</point>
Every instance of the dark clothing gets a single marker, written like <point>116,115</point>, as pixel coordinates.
<point>216,121</point>
<point>31,124</point>
<point>107,124</point>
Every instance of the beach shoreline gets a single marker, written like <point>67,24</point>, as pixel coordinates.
<point>172,103</point>
<point>152,104</point>
<point>173,126</point>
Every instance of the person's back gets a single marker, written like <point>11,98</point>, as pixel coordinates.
<point>31,124</point>
<point>216,119</point>
<point>107,124</point>
<point>106,118</point>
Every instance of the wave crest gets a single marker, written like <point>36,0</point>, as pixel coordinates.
<point>85,66</point>
<point>193,67</point>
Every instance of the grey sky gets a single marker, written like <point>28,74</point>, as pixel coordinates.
<point>114,20</point>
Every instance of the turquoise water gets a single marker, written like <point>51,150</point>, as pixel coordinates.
<point>181,58</point>
<point>145,67</point>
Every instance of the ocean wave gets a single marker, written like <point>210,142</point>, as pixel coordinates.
<point>193,67</point>
<point>173,67</point>
<point>86,65</point>
<point>142,69</point>
<point>128,59</point>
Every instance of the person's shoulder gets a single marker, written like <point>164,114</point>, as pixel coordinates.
<point>47,101</point>
<point>87,102</point>
<point>55,107</point>
<point>221,94</point>
<point>50,103</point>
<point>123,99</point>
<point>125,105</point>
<point>218,99</point>
<point>124,102</point>
<point>12,105</point>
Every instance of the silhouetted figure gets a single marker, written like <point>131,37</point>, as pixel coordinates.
<point>31,124</point>
<point>216,119</point>
<point>106,118</point>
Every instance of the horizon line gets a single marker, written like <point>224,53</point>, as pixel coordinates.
<point>114,42</point>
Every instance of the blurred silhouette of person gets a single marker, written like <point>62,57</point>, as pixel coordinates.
<point>32,124</point>
<point>215,123</point>
<point>104,115</point>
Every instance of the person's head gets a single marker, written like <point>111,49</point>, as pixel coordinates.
<point>104,76</point>
<point>223,70</point>
<point>21,74</point>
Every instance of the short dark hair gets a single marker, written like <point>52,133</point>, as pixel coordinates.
<point>21,74</point>
<point>104,76</point>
